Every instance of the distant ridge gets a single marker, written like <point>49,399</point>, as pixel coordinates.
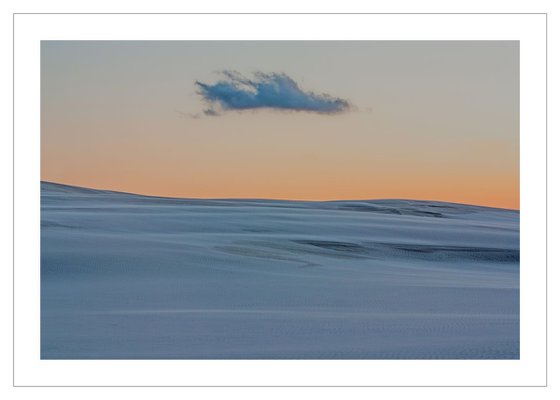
<point>62,187</point>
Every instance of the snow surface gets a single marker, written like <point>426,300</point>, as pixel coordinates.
<point>133,277</point>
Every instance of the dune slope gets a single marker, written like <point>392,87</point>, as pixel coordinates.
<point>133,277</point>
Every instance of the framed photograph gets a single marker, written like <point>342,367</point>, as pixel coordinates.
<point>360,204</point>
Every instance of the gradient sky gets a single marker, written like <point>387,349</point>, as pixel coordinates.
<point>428,120</point>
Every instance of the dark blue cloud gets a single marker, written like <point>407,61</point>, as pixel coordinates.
<point>274,91</point>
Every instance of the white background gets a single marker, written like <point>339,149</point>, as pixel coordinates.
<point>528,371</point>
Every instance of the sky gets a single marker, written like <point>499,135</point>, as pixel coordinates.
<point>306,120</point>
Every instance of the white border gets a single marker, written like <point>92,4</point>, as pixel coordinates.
<point>29,370</point>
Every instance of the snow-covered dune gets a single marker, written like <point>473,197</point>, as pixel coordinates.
<point>133,277</point>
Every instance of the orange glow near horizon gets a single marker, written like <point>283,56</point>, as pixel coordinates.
<point>482,189</point>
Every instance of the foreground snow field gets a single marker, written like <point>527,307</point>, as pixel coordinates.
<point>134,277</point>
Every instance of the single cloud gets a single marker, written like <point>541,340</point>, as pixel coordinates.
<point>274,91</point>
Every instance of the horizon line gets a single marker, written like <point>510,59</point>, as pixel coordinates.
<point>271,199</point>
